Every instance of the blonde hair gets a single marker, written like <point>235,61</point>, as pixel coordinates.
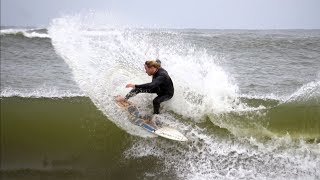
<point>152,63</point>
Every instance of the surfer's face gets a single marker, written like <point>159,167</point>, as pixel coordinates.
<point>149,71</point>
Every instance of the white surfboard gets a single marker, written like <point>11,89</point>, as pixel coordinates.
<point>144,122</point>
<point>170,133</point>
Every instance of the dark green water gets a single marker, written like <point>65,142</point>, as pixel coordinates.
<point>64,139</point>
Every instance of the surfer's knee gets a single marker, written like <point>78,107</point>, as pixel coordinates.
<point>156,101</point>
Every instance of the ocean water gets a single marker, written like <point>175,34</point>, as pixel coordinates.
<point>247,100</point>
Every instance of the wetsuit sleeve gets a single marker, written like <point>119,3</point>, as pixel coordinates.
<point>155,83</point>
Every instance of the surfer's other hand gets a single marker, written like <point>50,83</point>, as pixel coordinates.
<point>130,86</point>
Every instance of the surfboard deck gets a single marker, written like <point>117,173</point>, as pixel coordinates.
<point>147,123</point>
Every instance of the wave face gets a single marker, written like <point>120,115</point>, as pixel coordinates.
<point>232,135</point>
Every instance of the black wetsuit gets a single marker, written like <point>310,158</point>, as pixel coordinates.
<point>161,85</point>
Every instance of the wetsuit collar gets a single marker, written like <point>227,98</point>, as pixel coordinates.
<point>156,72</point>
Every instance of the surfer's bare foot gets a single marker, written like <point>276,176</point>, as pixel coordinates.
<point>156,120</point>
<point>120,98</point>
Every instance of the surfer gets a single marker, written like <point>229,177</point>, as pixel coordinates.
<point>161,85</point>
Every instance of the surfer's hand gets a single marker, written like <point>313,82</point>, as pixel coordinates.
<point>130,86</point>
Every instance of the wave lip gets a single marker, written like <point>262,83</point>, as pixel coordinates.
<point>29,33</point>
<point>307,93</point>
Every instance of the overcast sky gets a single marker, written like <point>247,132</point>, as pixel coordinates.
<point>212,14</point>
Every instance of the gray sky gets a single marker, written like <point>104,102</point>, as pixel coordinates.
<point>212,14</point>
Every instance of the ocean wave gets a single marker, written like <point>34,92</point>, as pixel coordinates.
<point>29,33</point>
<point>266,97</point>
<point>307,93</point>
<point>273,116</point>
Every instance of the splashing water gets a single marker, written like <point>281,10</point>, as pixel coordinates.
<point>104,60</point>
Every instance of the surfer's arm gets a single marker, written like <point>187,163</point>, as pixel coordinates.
<point>144,87</point>
<point>155,83</point>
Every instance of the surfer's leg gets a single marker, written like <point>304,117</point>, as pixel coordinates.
<point>156,102</point>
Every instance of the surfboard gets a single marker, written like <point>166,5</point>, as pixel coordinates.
<point>146,122</point>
